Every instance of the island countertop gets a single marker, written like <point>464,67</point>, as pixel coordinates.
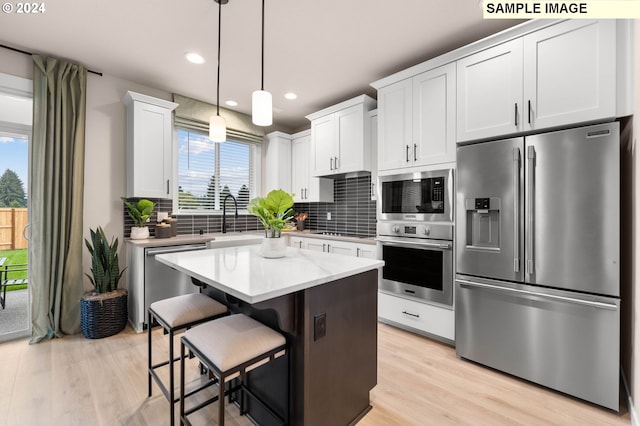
<point>243,273</point>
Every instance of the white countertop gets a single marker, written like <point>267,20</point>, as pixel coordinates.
<point>243,273</point>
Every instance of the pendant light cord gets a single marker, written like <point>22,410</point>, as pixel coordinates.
<point>219,43</point>
<point>262,80</point>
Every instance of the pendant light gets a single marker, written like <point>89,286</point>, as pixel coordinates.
<point>261,102</point>
<point>217,125</point>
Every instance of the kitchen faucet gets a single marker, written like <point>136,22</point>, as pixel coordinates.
<point>224,211</point>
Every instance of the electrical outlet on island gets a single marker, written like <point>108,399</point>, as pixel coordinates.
<point>328,215</point>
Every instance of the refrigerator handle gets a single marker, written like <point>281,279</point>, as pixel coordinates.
<point>531,160</point>
<point>592,303</point>
<point>516,209</point>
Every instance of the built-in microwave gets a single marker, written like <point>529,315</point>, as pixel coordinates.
<point>421,196</point>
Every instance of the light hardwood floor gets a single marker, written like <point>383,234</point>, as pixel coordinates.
<point>75,381</point>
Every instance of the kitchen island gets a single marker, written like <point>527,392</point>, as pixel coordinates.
<point>326,306</point>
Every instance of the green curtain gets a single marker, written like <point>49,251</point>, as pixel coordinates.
<point>56,192</point>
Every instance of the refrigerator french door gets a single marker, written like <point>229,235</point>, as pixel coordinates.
<point>537,259</point>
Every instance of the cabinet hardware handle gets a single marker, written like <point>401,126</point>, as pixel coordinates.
<point>331,163</point>
<point>335,163</point>
<point>306,196</point>
<point>300,243</point>
<point>529,112</point>
<point>407,154</point>
<point>167,186</point>
<point>357,251</point>
<point>415,147</point>
<point>516,115</point>
<point>410,314</point>
<point>323,247</point>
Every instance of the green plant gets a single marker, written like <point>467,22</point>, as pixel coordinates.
<point>273,211</point>
<point>140,212</point>
<point>105,268</point>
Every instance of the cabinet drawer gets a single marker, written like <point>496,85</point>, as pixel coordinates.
<point>430,320</point>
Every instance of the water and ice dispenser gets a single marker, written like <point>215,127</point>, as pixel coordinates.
<point>483,223</point>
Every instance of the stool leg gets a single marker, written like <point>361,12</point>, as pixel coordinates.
<point>221,401</point>
<point>149,353</point>
<point>181,382</point>
<point>171,383</point>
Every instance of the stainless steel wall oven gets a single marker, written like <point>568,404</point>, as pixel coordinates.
<point>415,235</point>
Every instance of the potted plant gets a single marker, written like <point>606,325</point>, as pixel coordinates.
<point>273,211</point>
<point>140,212</point>
<point>104,309</point>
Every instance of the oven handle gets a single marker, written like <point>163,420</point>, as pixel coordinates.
<point>441,246</point>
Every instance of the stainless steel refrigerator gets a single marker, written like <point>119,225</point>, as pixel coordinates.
<point>537,259</point>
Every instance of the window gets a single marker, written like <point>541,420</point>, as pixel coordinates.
<point>209,171</point>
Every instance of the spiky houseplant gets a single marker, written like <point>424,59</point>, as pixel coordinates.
<point>103,311</point>
<point>105,267</point>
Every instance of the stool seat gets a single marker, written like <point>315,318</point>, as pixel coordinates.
<point>178,311</point>
<point>233,340</point>
<point>226,346</point>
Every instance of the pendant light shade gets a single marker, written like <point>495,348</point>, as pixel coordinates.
<point>261,101</point>
<point>217,125</point>
<point>217,129</point>
<point>261,108</point>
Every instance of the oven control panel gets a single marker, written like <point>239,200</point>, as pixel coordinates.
<point>438,231</point>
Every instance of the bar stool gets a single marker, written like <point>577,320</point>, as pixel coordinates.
<point>175,314</point>
<point>227,346</point>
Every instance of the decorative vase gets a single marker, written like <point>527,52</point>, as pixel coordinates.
<point>139,233</point>
<point>274,247</point>
<point>103,315</point>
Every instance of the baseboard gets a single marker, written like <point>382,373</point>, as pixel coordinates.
<point>632,409</point>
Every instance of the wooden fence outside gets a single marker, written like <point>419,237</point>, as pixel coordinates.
<point>12,223</point>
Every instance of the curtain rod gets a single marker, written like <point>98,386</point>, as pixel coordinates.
<point>31,54</point>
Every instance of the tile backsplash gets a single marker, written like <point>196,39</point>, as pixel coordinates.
<point>352,212</point>
<point>193,224</point>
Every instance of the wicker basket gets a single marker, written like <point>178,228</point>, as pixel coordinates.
<point>103,315</point>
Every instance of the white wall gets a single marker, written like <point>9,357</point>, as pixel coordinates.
<point>105,146</point>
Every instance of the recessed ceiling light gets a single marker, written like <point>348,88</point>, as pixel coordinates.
<point>195,58</point>
<point>231,103</point>
<point>291,96</point>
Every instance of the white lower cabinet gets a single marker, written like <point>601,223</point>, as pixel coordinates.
<point>297,242</point>
<point>422,318</point>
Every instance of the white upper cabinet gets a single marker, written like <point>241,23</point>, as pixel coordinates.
<point>341,137</point>
<point>416,120</point>
<point>277,162</point>
<point>305,187</point>
<point>563,74</point>
<point>570,73</point>
<point>434,113</point>
<point>490,92</point>
<point>394,124</point>
<point>149,146</point>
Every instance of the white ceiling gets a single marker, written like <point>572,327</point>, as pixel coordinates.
<point>325,51</point>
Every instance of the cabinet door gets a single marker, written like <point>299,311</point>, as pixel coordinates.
<point>350,127</point>
<point>338,247</point>
<point>489,92</point>
<point>300,168</point>
<point>570,73</point>
<point>367,251</point>
<point>323,136</point>
<point>394,125</point>
<point>434,97</point>
<point>297,242</point>
<point>316,245</point>
<point>152,148</point>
